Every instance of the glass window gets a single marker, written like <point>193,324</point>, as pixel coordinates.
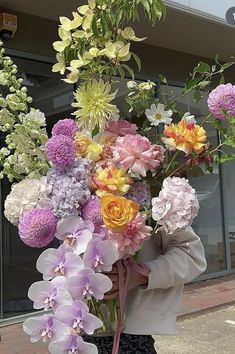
<point>53,97</point>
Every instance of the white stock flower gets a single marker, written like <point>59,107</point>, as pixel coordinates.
<point>157,114</point>
<point>23,197</point>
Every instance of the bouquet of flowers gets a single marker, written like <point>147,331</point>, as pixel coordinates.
<point>102,184</point>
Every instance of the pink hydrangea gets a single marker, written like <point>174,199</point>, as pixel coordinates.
<point>66,127</point>
<point>132,238</point>
<point>222,100</point>
<point>37,227</point>
<point>122,127</point>
<point>60,151</point>
<point>136,153</point>
<point>176,206</point>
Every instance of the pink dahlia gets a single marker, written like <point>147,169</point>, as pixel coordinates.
<point>60,151</point>
<point>66,127</point>
<point>37,227</point>
<point>122,127</point>
<point>176,206</point>
<point>221,101</point>
<point>91,212</point>
<point>136,153</point>
<point>132,238</point>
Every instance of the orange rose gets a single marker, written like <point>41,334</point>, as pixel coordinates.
<point>117,211</point>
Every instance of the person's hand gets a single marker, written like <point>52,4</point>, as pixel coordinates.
<point>136,279</point>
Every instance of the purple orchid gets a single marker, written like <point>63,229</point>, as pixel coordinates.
<point>61,261</point>
<point>49,294</point>
<point>45,328</point>
<point>100,255</point>
<point>87,284</point>
<point>75,232</point>
<point>77,317</point>
<point>72,345</point>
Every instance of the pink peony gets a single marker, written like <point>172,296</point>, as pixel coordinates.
<point>37,227</point>
<point>122,127</point>
<point>131,240</point>
<point>176,206</point>
<point>136,153</point>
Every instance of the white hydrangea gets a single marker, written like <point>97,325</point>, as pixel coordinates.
<point>25,196</point>
<point>176,206</point>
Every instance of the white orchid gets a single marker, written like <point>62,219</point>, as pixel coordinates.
<point>157,114</point>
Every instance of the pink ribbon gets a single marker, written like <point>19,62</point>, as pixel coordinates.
<point>123,280</point>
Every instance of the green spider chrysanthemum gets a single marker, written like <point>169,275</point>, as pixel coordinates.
<point>94,102</point>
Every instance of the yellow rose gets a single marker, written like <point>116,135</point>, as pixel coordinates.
<point>117,211</point>
<point>94,152</point>
<point>81,142</point>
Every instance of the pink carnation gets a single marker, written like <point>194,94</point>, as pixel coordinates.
<point>122,127</point>
<point>132,238</point>
<point>176,206</point>
<point>221,101</point>
<point>37,227</point>
<point>136,153</point>
<point>67,127</point>
<point>60,151</point>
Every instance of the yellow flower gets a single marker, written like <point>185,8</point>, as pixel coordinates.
<point>117,211</point>
<point>93,100</point>
<point>111,180</point>
<point>81,141</point>
<point>94,152</point>
<point>185,137</point>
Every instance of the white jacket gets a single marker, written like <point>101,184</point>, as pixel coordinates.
<point>173,261</point>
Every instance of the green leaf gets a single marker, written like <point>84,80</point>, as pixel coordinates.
<point>197,96</point>
<point>222,79</point>
<point>137,60</point>
<point>217,58</point>
<point>94,27</point>
<point>129,70</point>
<point>121,72</point>
<point>202,68</point>
<point>227,157</point>
<point>163,79</point>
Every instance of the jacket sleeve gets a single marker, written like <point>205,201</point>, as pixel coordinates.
<point>182,261</point>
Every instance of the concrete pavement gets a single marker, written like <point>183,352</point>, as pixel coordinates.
<point>210,333</point>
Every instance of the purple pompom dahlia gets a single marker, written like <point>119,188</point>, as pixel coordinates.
<point>60,151</point>
<point>37,227</point>
<point>66,127</point>
<point>221,101</point>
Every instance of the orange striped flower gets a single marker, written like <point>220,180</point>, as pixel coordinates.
<point>185,137</point>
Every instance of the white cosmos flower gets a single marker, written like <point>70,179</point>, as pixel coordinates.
<point>189,118</point>
<point>157,114</point>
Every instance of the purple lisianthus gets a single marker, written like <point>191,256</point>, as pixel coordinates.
<point>61,261</point>
<point>140,193</point>
<point>72,345</point>
<point>46,328</point>
<point>100,255</point>
<point>91,211</point>
<point>60,150</point>
<point>221,101</point>
<point>77,316</point>
<point>69,188</point>
<point>37,227</point>
<point>75,232</point>
<point>49,294</point>
<point>87,284</point>
<point>67,127</point>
